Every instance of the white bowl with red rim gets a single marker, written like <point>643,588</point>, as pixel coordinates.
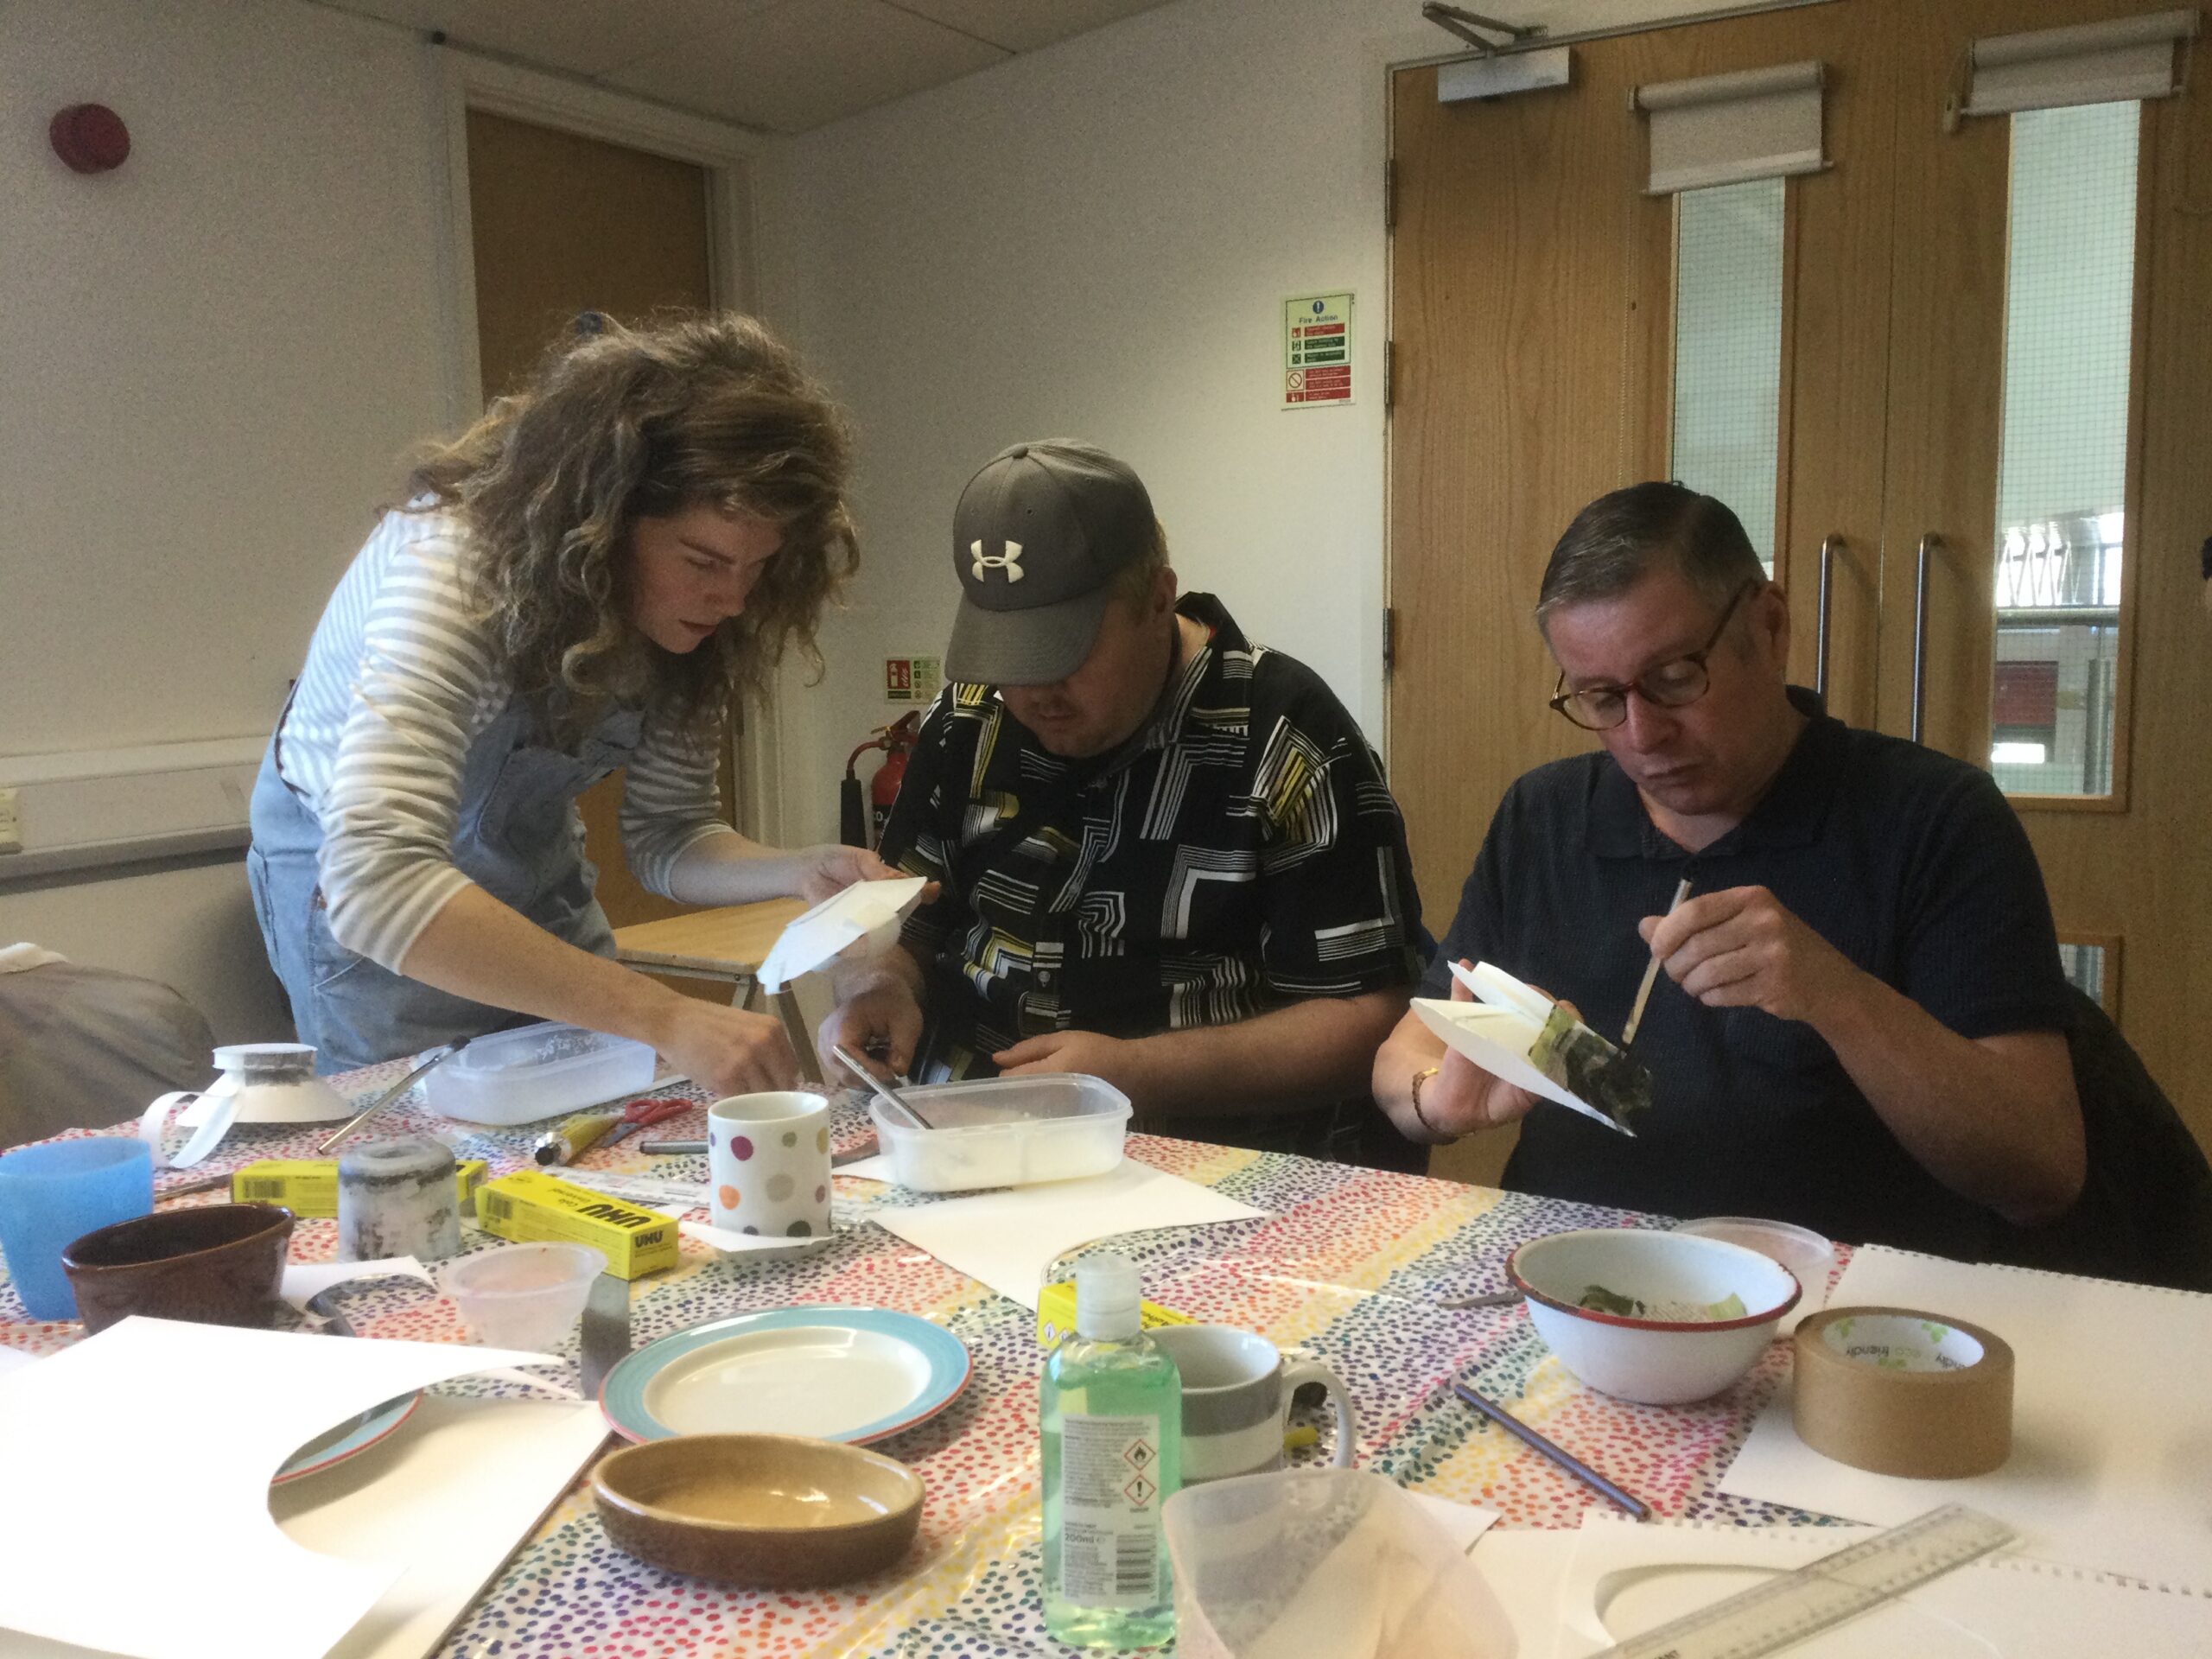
<point>1656,1361</point>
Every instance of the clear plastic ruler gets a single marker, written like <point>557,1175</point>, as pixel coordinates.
<point>1823,1593</point>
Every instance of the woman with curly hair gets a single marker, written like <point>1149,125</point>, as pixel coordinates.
<point>590,577</point>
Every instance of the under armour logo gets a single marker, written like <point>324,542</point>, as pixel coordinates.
<point>1009,561</point>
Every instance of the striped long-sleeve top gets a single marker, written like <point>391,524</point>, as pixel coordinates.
<point>401,679</point>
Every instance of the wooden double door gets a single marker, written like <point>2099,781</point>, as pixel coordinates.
<point>1555,326</point>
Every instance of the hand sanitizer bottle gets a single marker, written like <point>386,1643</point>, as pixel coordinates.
<point>1111,1412</point>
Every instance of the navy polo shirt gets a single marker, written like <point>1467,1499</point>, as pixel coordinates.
<point>1911,863</point>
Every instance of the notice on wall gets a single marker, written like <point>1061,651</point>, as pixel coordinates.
<point>912,679</point>
<point>1316,350</point>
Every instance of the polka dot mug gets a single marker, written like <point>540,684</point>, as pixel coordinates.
<point>770,1158</point>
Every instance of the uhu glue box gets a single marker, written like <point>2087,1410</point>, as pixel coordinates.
<point>1055,1313</point>
<point>309,1186</point>
<point>531,1206</point>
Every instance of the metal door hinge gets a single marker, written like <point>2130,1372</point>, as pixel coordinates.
<point>1390,374</point>
<point>1390,635</point>
<point>1391,195</point>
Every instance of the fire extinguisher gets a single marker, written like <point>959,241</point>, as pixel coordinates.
<point>897,742</point>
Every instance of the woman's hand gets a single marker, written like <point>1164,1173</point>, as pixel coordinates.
<point>831,868</point>
<point>726,1050</point>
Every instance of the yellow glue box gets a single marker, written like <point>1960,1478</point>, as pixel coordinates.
<point>1055,1313</point>
<point>309,1186</point>
<point>529,1207</point>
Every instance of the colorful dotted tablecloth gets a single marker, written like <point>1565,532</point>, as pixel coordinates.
<point>1348,1263</point>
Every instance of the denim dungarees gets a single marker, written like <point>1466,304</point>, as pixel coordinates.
<point>517,836</point>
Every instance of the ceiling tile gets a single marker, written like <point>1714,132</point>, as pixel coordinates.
<point>584,37</point>
<point>799,63</point>
<point>1023,25</point>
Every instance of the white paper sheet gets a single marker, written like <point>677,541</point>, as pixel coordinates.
<point>1007,1239</point>
<point>452,1495</point>
<point>1498,1031</point>
<point>866,910</point>
<point>1525,1570</point>
<point>730,1243</point>
<point>89,1436</point>
<point>1462,1522</point>
<point>1625,1579</point>
<point>671,1198</point>
<point>2112,1419</point>
<point>305,1280</point>
<point>877,1169</point>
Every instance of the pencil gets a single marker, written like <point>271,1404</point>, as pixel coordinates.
<point>1559,1454</point>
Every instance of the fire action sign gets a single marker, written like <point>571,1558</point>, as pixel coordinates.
<point>1316,350</point>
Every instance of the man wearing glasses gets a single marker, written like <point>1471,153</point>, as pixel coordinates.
<point>1865,1033</point>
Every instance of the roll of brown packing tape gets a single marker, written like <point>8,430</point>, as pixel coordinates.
<point>1898,1392</point>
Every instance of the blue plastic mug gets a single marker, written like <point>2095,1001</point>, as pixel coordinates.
<point>55,1193</point>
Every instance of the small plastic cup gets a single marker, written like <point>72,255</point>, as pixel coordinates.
<point>56,1193</point>
<point>523,1295</point>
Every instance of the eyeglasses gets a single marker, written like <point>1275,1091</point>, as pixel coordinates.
<point>1672,684</point>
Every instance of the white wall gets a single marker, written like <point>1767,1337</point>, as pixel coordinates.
<point>212,361</point>
<point>188,924</point>
<point>1096,239</point>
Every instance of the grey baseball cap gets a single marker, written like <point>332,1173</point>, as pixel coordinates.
<point>1039,534</point>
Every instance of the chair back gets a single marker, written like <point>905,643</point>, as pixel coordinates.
<point>2146,1210</point>
<point>85,1048</point>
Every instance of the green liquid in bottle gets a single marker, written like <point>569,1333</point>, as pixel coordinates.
<point>1111,1415</point>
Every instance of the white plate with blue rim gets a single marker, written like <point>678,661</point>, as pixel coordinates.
<point>847,1374</point>
<point>348,1439</point>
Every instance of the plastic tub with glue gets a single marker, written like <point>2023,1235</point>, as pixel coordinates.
<point>1004,1132</point>
<point>537,1071</point>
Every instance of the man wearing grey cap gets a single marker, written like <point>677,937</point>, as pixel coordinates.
<point>1165,856</point>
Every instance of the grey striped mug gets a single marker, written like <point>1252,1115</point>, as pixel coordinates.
<point>1237,1392</point>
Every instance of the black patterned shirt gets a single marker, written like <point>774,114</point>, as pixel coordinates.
<point>1240,852</point>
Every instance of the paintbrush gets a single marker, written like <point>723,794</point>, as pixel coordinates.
<point>1650,975</point>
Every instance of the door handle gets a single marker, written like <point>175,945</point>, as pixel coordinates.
<point>1929,545</point>
<point>1828,546</point>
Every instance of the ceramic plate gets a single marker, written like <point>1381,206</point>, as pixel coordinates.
<point>847,1374</point>
<point>348,1439</point>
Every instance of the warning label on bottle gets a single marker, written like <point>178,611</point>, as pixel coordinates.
<point>1109,1509</point>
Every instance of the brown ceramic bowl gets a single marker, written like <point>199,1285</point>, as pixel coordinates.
<point>217,1264</point>
<point>763,1509</point>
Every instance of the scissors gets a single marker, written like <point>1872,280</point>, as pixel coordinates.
<point>639,1113</point>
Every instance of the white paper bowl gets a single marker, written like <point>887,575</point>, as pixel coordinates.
<point>1653,1361</point>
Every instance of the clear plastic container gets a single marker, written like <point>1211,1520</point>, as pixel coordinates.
<point>527,1296</point>
<point>537,1071</point>
<point>1004,1132</point>
<point>1322,1564</point>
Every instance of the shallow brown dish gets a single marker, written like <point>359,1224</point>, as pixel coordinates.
<point>217,1264</point>
<point>763,1509</point>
